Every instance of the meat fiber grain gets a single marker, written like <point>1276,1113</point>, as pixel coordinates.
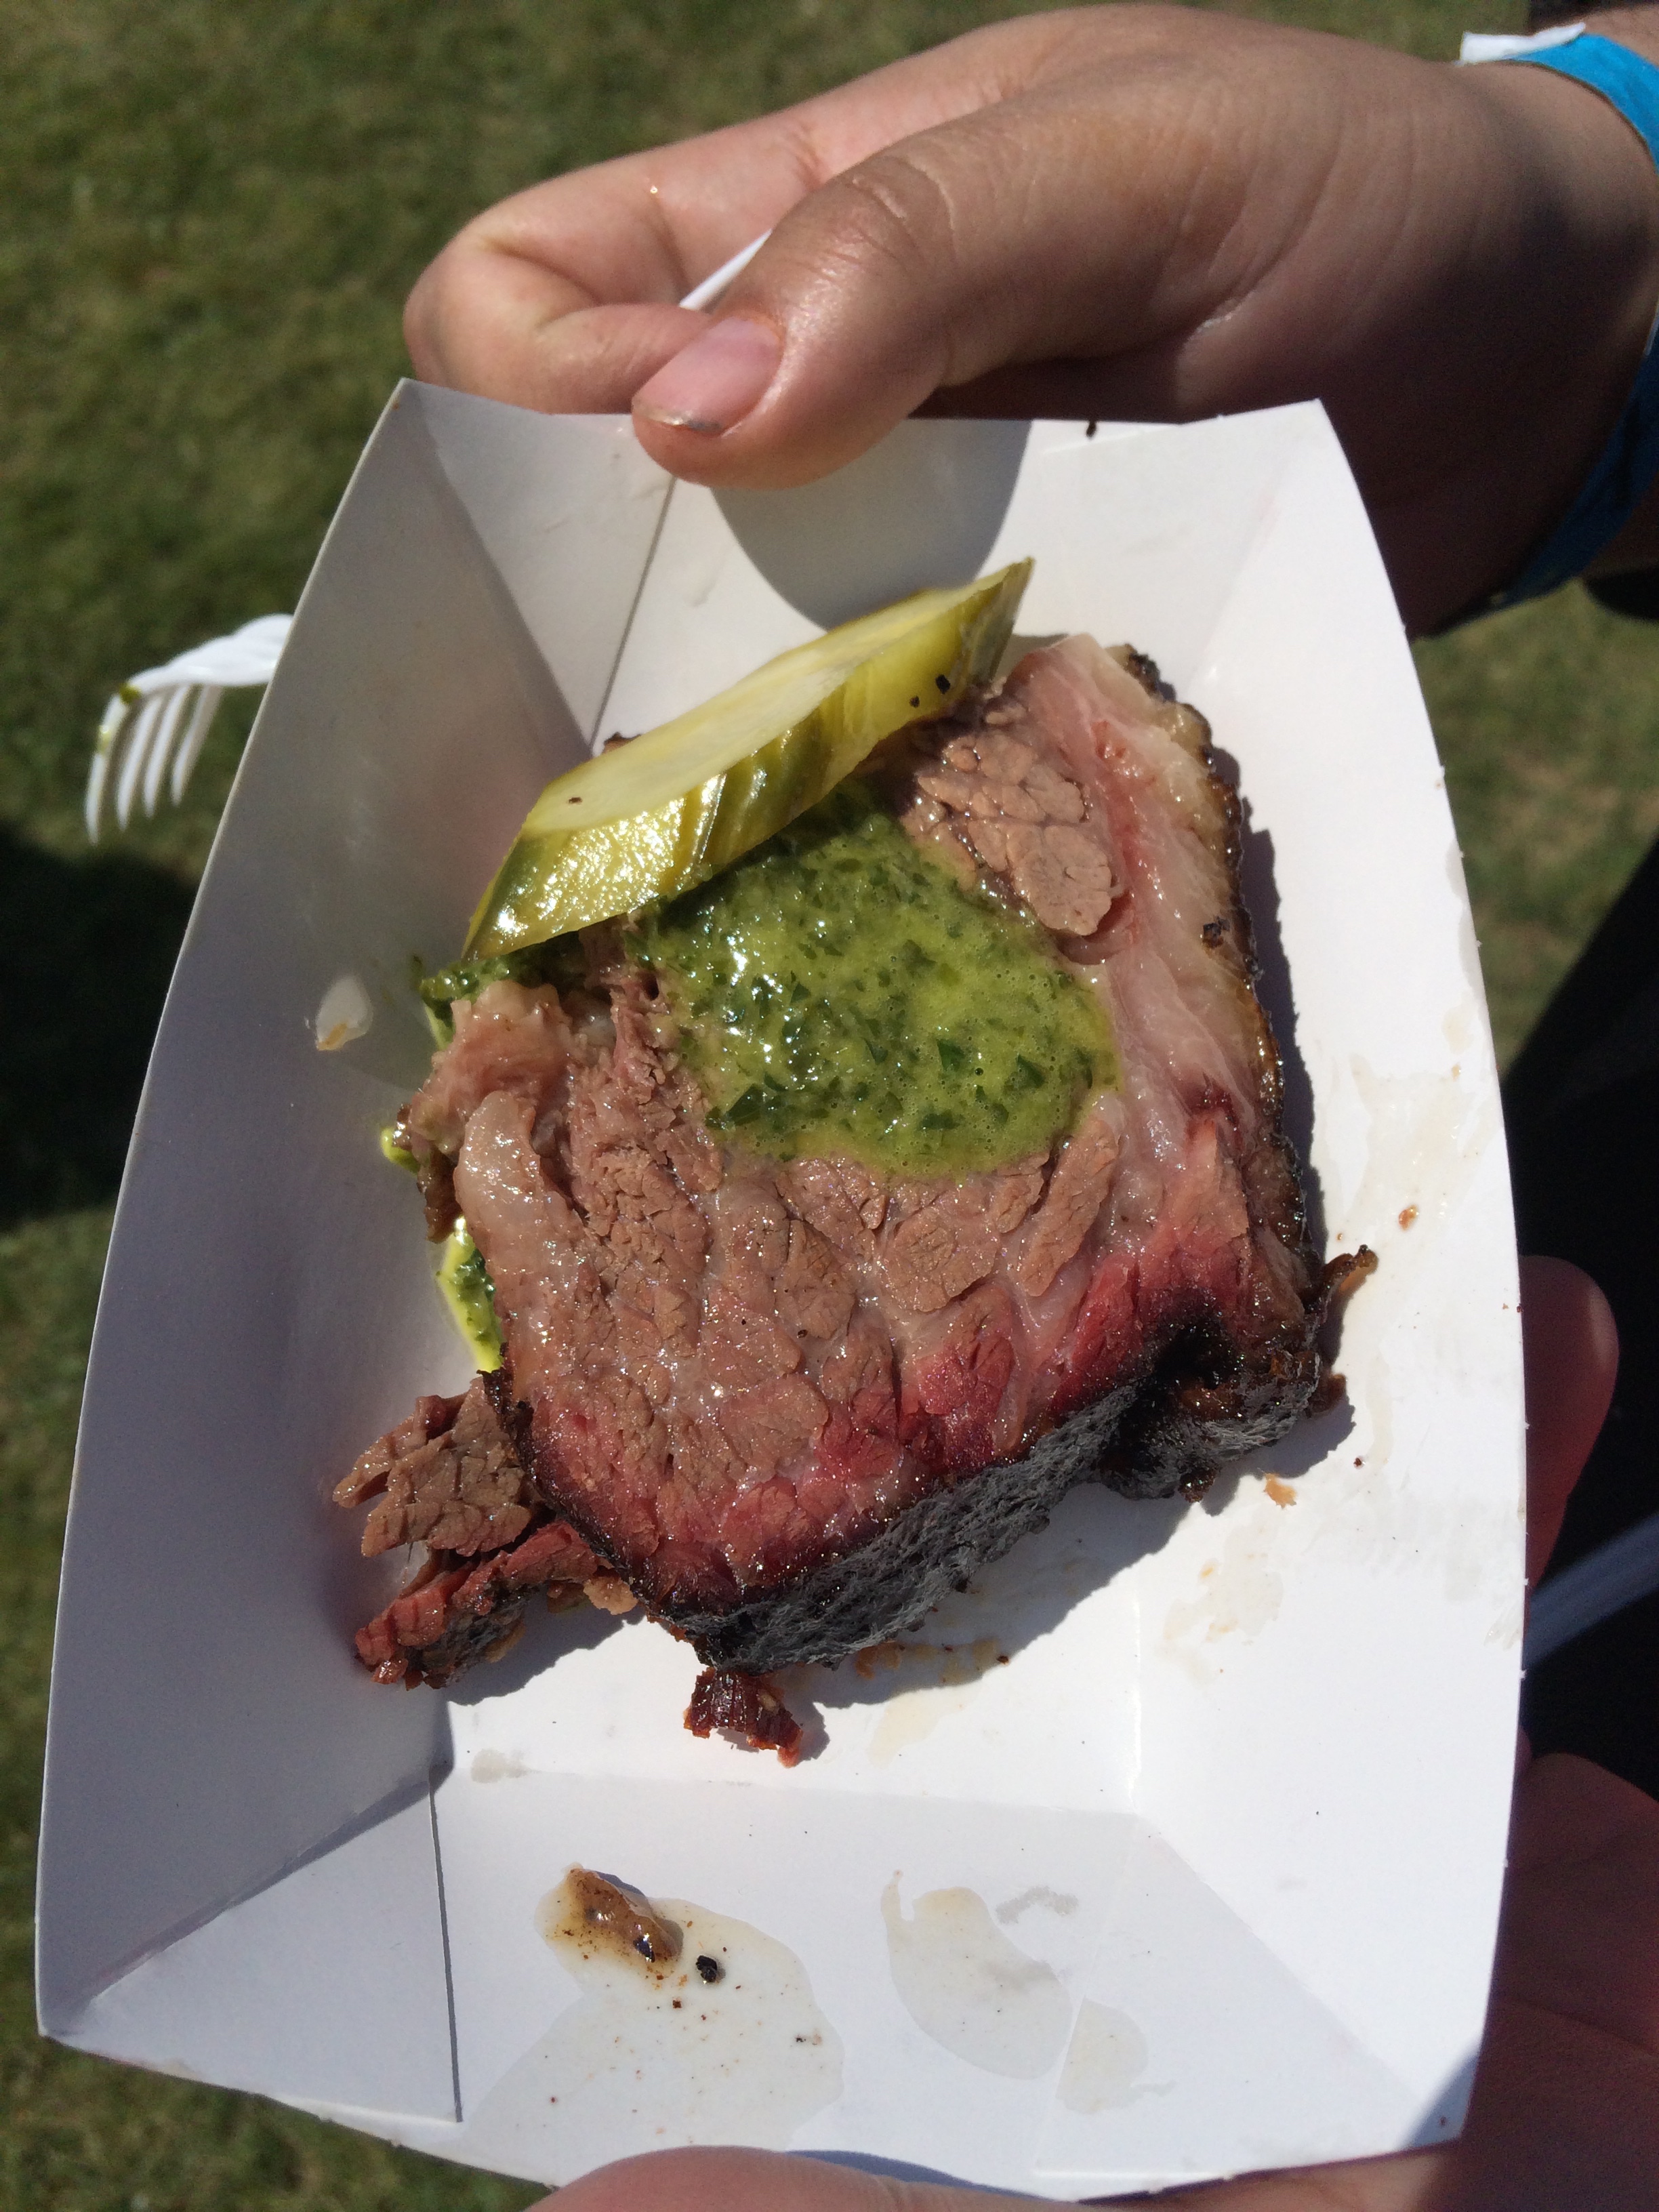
<point>793,1402</point>
<point>449,1479</point>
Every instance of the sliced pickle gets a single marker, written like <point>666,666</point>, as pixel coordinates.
<point>649,820</point>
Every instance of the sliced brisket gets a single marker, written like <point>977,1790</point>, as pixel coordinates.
<point>448,1478</point>
<point>792,1404</point>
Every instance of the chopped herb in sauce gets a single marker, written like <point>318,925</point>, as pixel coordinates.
<point>559,961</point>
<point>839,991</point>
<point>470,1295</point>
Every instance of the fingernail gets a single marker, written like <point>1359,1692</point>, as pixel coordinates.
<point>716,380</point>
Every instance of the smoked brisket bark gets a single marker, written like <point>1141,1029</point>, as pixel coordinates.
<point>793,1404</point>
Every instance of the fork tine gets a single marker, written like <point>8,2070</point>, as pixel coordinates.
<point>132,764</point>
<point>161,750</point>
<point>103,757</point>
<point>190,749</point>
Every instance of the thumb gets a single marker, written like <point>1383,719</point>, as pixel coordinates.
<point>720,2180</point>
<point>1092,219</point>
<point>1176,211</point>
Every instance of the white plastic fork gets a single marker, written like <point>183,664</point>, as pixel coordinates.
<point>705,293</point>
<point>162,715</point>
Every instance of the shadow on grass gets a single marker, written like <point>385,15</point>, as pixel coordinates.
<point>89,945</point>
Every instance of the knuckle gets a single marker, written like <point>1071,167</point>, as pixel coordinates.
<point>904,208</point>
<point>889,219</point>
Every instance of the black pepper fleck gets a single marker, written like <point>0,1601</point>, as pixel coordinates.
<point>916,702</point>
<point>943,682</point>
<point>710,1969</point>
<point>1213,931</point>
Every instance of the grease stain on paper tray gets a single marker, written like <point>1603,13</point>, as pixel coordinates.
<point>989,2003</point>
<point>1426,1136</point>
<point>969,1988</point>
<point>909,1716</point>
<point>1039,1897</point>
<point>492,1766</point>
<point>1238,1595</point>
<point>1104,2062</point>
<point>650,2056</point>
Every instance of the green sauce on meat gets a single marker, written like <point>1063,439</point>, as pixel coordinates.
<point>471,1296</point>
<point>839,991</point>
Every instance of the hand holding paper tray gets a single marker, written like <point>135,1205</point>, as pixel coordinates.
<point>1243,1782</point>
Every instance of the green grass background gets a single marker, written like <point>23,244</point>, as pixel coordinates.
<point>209,213</point>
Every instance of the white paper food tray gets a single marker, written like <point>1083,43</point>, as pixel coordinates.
<point>1206,1877</point>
